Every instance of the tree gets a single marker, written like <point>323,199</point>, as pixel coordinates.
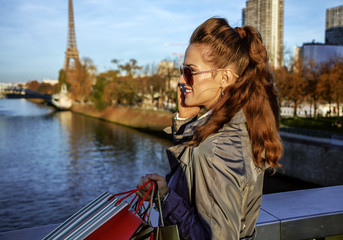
<point>43,88</point>
<point>82,87</point>
<point>62,79</point>
<point>125,88</point>
<point>97,96</point>
<point>33,85</point>
<point>110,90</point>
<point>130,68</point>
<point>47,88</point>
<point>291,84</point>
<point>325,87</point>
<point>312,72</point>
<point>337,77</point>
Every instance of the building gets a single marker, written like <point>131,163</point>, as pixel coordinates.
<point>267,17</point>
<point>50,81</point>
<point>334,26</point>
<point>333,47</point>
<point>169,70</point>
<point>3,86</point>
<point>318,52</point>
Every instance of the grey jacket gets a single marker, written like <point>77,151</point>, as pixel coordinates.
<point>215,188</point>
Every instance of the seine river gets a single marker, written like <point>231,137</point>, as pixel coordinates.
<point>53,163</point>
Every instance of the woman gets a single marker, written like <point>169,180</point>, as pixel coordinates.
<point>214,189</point>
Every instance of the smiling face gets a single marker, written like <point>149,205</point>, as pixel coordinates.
<point>207,87</point>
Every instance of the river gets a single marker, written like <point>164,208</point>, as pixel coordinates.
<point>53,163</point>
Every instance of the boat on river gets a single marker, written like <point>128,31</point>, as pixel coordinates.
<point>61,101</point>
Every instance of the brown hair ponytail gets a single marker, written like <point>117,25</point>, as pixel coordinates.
<point>254,91</point>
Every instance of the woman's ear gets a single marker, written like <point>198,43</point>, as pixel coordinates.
<point>228,78</point>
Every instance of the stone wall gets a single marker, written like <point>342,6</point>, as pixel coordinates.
<point>148,120</point>
<point>312,159</point>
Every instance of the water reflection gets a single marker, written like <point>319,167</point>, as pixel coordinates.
<point>53,163</point>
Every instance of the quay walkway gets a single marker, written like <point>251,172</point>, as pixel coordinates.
<point>304,214</point>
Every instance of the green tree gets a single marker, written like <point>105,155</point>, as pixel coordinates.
<point>125,88</point>
<point>98,97</point>
<point>110,91</point>
<point>62,79</point>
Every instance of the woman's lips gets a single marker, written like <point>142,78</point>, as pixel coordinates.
<point>187,91</point>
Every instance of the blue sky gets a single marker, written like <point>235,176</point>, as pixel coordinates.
<point>33,33</point>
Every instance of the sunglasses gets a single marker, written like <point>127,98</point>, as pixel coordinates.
<point>188,73</point>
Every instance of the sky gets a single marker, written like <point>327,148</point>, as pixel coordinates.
<point>33,33</point>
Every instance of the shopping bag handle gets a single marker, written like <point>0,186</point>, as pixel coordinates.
<point>159,203</point>
<point>130,192</point>
<point>147,213</point>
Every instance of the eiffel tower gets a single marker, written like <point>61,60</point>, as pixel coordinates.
<point>72,63</point>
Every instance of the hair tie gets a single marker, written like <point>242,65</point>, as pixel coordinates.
<point>240,31</point>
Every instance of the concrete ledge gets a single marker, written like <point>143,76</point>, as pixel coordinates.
<point>335,142</point>
<point>303,214</point>
<point>268,226</point>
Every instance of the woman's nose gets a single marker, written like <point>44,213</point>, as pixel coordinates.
<point>182,79</point>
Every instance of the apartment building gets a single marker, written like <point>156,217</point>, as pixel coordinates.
<point>267,16</point>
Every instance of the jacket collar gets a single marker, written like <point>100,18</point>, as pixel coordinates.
<point>238,118</point>
<point>179,150</point>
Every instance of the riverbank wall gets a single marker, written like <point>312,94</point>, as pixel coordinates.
<point>312,159</point>
<point>146,120</point>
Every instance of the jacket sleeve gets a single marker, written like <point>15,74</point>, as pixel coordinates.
<point>177,211</point>
<point>218,173</point>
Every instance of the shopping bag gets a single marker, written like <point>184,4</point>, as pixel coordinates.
<point>106,217</point>
<point>170,232</point>
<point>147,232</point>
<point>144,232</point>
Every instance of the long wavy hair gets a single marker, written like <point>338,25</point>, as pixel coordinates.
<point>243,51</point>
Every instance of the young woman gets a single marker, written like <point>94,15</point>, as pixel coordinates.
<point>214,189</point>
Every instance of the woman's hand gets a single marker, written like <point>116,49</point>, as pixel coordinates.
<point>161,182</point>
<point>185,111</point>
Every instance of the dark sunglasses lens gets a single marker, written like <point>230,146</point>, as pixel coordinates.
<point>188,75</point>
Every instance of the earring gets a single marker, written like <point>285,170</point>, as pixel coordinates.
<point>222,92</point>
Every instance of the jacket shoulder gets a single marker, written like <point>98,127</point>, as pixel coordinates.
<point>230,151</point>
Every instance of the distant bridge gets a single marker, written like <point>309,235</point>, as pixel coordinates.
<point>18,92</point>
<point>60,101</point>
